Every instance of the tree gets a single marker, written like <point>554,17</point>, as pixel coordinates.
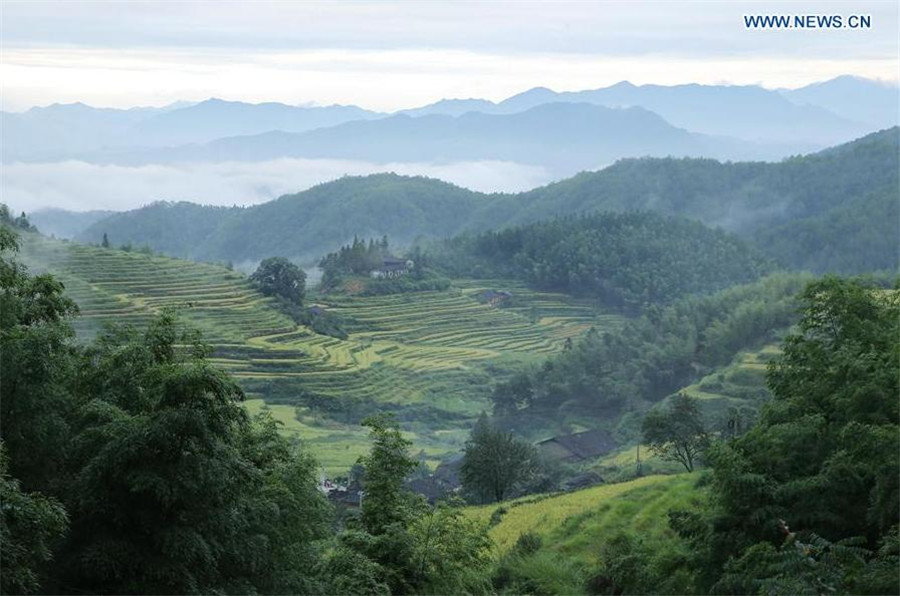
<point>36,364</point>
<point>822,458</point>
<point>138,448</point>
<point>386,502</point>
<point>496,462</point>
<point>174,489</point>
<point>105,242</point>
<point>811,458</point>
<point>29,526</point>
<point>401,545</point>
<point>512,395</point>
<point>451,553</point>
<point>277,276</point>
<point>677,433</point>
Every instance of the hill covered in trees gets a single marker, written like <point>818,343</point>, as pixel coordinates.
<point>792,210</point>
<point>626,260</point>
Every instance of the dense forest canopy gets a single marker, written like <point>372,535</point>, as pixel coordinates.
<point>766,203</point>
<point>628,260</point>
<point>651,356</point>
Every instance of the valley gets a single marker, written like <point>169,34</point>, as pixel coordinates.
<point>416,298</point>
<point>430,356</point>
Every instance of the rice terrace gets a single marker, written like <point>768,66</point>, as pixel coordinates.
<point>418,298</point>
<point>424,350</point>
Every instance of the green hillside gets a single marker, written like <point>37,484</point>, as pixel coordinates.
<point>628,260</point>
<point>425,355</point>
<point>554,516</point>
<point>792,210</point>
<point>565,544</point>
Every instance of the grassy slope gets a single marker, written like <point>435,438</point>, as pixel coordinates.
<point>574,523</point>
<point>431,352</point>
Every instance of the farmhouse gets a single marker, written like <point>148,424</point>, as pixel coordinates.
<point>577,447</point>
<point>392,267</point>
<point>494,297</point>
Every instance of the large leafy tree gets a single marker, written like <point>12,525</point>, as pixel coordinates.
<point>677,432</point>
<point>174,489</point>
<point>386,467</point>
<point>30,525</point>
<point>399,544</point>
<point>825,455</point>
<point>277,276</point>
<point>36,362</point>
<point>137,448</point>
<point>496,461</point>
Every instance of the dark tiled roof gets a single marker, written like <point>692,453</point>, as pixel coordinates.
<point>389,263</point>
<point>493,294</point>
<point>584,445</point>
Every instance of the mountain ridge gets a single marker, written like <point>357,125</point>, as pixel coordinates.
<point>742,197</point>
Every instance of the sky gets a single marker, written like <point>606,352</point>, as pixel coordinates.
<point>393,55</point>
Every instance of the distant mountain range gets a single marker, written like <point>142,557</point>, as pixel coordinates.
<point>565,138</point>
<point>823,113</point>
<point>65,131</point>
<point>843,199</point>
<point>733,122</point>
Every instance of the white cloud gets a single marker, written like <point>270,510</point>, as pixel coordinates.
<point>80,186</point>
<point>390,55</point>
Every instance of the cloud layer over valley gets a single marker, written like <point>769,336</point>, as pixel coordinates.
<point>80,186</point>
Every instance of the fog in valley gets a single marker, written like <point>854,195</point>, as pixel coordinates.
<point>79,186</point>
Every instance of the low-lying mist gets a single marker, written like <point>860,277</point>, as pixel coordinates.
<point>80,186</point>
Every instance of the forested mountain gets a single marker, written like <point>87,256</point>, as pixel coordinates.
<point>628,260</point>
<point>766,203</point>
<point>563,137</point>
<point>65,224</point>
<point>306,224</point>
<point>651,357</point>
<point>177,229</point>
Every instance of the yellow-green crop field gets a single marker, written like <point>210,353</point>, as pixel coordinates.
<point>425,351</point>
<point>573,523</point>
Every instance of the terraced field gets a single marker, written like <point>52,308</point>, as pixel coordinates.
<point>537,323</point>
<point>740,384</point>
<point>425,354</point>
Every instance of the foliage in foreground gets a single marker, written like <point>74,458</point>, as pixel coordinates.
<point>132,468</point>
<point>166,484</point>
<point>399,544</point>
<point>806,502</point>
